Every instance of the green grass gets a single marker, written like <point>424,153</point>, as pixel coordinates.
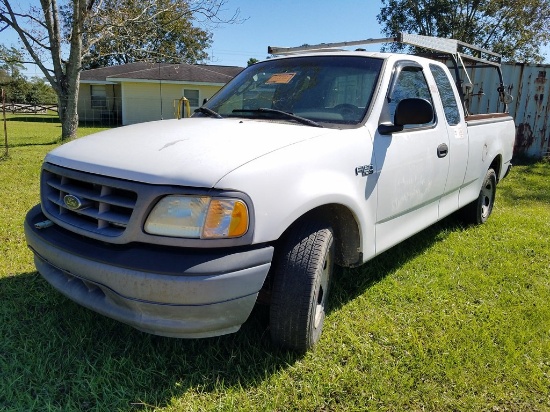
<point>455,319</point>
<point>35,130</point>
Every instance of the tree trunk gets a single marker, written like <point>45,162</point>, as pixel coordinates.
<point>69,118</point>
<point>69,78</point>
<point>68,113</point>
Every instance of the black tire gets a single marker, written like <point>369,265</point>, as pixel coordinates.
<point>301,283</point>
<point>480,209</point>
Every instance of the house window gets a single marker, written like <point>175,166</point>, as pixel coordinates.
<point>99,96</point>
<point>192,96</point>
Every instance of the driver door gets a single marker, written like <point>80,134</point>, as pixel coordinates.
<point>412,164</point>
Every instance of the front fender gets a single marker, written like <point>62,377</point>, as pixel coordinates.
<point>286,184</point>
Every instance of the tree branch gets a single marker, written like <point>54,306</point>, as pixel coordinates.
<point>14,24</point>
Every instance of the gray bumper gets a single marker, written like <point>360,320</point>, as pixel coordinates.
<point>187,293</point>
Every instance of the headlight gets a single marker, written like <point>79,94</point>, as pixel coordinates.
<point>198,217</point>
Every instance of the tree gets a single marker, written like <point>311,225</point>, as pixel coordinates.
<point>10,63</point>
<point>141,34</point>
<point>14,84</point>
<point>252,61</point>
<point>16,87</point>
<point>39,92</point>
<point>60,37</point>
<point>517,29</point>
<point>17,90</point>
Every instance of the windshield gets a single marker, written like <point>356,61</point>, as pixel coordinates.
<point>324,89</point>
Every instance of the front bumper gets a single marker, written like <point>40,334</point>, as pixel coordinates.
<point>168,291</point>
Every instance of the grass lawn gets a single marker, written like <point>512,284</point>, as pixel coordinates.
<point>455,319</point>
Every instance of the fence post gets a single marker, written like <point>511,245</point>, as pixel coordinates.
<point>5,123</point>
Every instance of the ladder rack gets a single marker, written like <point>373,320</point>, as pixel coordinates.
<point>437,44</point>
<point>457,50</point>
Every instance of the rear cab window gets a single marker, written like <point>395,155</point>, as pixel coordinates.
<point>448,97</point>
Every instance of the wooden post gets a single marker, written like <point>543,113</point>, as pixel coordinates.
<point>5,123</point>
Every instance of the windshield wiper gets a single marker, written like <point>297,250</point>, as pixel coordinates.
<point>289,115</point>
<point>208,112</point>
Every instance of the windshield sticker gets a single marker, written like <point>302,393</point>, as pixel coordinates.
<point>281,78</point>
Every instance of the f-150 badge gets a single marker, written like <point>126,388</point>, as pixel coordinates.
<point>364,170</point>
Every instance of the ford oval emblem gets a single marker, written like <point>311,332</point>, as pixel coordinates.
<point>72,202</point>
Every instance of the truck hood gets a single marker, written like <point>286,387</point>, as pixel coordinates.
<point>190,152</point>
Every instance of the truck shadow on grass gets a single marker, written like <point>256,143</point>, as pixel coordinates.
<point>353,282</point>
<point>54,352</point>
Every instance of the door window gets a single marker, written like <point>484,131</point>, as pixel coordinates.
<point>409,83</point>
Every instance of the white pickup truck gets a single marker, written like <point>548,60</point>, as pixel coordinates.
<point>299,163</point>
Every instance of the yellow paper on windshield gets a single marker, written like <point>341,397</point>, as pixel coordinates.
<point>281,78</point>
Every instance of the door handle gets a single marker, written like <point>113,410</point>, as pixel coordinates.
<point>442,150</point>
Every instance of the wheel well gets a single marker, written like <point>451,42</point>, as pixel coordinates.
<point>347,239</point>
<point>496,165</point>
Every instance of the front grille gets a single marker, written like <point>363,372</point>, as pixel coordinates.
<point>105,207</point>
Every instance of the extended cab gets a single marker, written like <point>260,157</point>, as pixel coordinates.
<point>299,163</point>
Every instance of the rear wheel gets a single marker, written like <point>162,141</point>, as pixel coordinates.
<point>480,209</point>
<point>301,283</point>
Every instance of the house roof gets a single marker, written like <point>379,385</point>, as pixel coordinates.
<point>199,73</point>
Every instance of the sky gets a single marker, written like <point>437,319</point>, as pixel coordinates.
<point>291,23</point>
<point>294,23</point>
<point>280,23</point>
<point>276,23</point>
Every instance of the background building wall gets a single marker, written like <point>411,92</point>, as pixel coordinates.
<point>529,85</point>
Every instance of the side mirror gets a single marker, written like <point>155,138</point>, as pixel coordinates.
<point>408,111</point>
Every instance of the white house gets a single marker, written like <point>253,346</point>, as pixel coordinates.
<point>140,92</point>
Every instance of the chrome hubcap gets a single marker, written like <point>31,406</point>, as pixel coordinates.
<point>323,289</point>
<point>486,199</point>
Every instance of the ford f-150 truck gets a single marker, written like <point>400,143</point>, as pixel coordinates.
<point>302,162</point>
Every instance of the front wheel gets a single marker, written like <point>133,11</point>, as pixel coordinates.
<point>480,209</point>
<point>301,283</point>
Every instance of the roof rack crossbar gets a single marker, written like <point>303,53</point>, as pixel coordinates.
<point>326,46</point>
<point>479,49</point>
<point>479,60</point>
<point>449,46</point>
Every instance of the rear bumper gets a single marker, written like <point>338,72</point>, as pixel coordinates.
<point>187,293</point>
